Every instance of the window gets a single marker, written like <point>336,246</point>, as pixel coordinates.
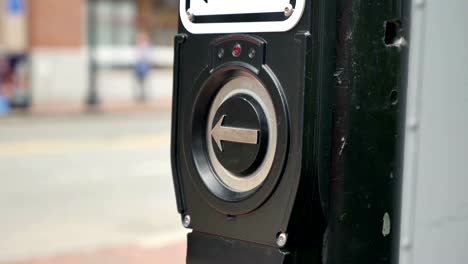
<point>111,22</point>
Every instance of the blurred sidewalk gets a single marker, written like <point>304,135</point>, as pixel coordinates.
<point>108,106</point>
<point>116,89</point>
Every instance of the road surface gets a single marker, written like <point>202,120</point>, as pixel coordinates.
<point>84,182</point>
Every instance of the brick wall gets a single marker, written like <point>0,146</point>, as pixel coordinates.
<point>56,23</point>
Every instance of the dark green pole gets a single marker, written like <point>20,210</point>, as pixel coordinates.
<point>368,108</point>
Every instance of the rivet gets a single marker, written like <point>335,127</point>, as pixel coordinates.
<point>281,239</point>
<point>186,221</point>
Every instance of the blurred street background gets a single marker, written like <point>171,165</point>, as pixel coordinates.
<point>85,97</point>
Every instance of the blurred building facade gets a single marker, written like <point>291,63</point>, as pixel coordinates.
<point>57,51</point>
<point>62,38</point>
<point>13,27</point>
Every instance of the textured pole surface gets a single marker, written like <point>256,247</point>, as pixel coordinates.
<point>365,178</point>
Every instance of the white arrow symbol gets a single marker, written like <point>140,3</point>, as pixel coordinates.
<point>233,134</point>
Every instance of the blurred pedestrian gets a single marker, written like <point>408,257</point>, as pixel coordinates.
<point>142,65</point>
<point>4,106</point>
<point>5,85</point>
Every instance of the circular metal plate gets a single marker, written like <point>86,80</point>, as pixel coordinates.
<point>250,86</point>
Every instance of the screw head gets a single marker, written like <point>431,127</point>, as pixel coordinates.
<point>281,239</point>
<point>189,15</point>
<point>252,53</point>
<point>186,221</point>
<point>288,11</point>
<point>220,53</point>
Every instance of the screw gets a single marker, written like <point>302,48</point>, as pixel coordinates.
<point>186,221</point>
<point>189,15</point>
<point>281,239</point>
<point>252,53</point>
<point>288,11</point>
<point>220,53</point>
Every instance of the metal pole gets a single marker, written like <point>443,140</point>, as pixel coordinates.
<point>92,99</point>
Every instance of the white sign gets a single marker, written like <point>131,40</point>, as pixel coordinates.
<point>219,7</point>
<point>228,16</point>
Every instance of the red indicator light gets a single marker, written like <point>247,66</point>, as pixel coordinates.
<point>236,50</point>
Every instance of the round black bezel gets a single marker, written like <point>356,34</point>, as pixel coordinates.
<point>205,179</point>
